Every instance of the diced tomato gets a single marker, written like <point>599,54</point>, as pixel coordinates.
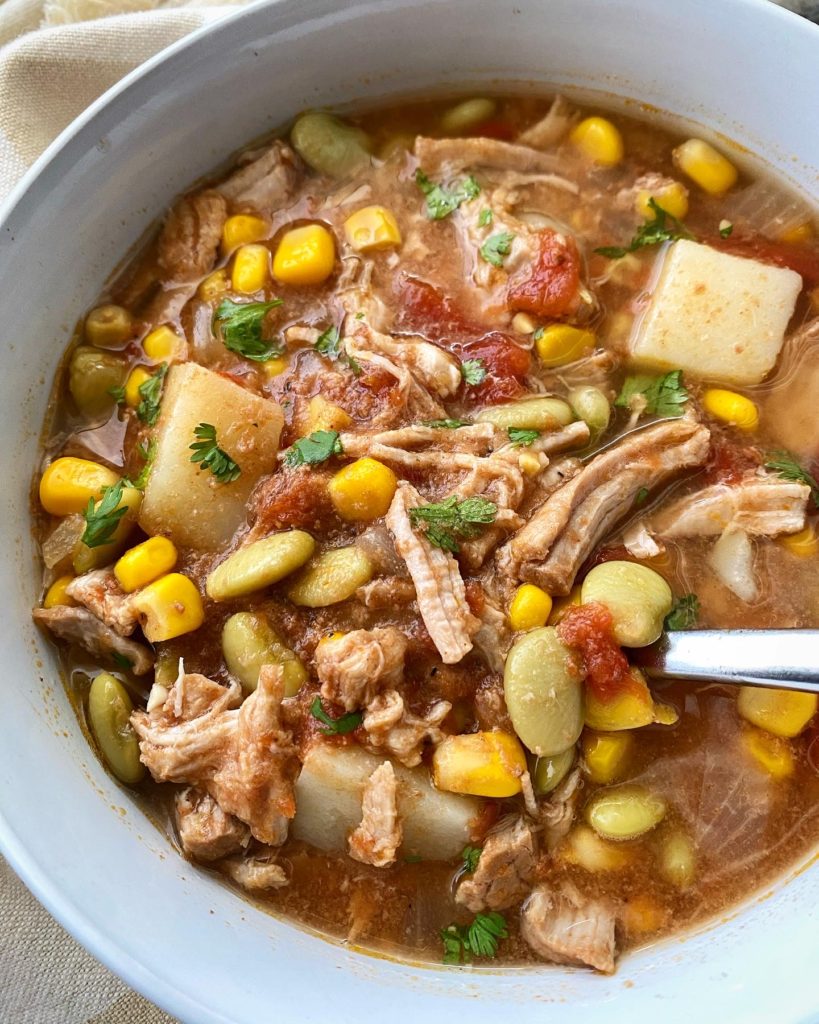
<point>798,256</point>
<point>588,628</point>
<point>426,310</point>
<point>549,288</point>
<point>475,596</point>
<point>728,463</point>
<point>495,128</point>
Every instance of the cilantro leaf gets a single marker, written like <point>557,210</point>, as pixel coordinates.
<point>485,217</point>
<point>480,938</point>
<point>496,247</point>
<point>241,324</point>
<point>448,521</point>
<point>473,371</point>
<point>471,855</point>
<point>661,396</point>
<point>442,201</point>
<point>446,424</point>
<point>329,343</point>
<point>118,394</point>
<point>641,496</point>
<point>211,456</point>
<point>787,466</point>
<point>102,517</point>
<point>684,613</point>
<point>522,438</point>
<point>662,228</point>
<point>150,395</point>
<point>725,229</point>
<point>124,663</point>
<point>148,454</point>
<point>316,447</point>
<point>335,726</point>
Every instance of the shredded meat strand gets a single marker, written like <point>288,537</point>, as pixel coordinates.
<point>377,839</point>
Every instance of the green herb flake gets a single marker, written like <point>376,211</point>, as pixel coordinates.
<point>485,217</point>
<point>446,522</point>
<point>118,394</point>
<point>471,855</point>
<point>640,496</point>
<point>462,942</point>
<point>725,229</point>
<point>329,343</point>
<point>496,248</point>
<point>442,201</point>
<point>313,449</point>
<point>786,465</point>
<point>660,396</point>
<point>661,228</point>
<point>522,438</point>
<point>684,613</point>
<point>241,324</point>
<point>335,726</point>
<point>102,518</point>
<point>148,454</point>
<point>124,663</point>
<point>473,371</point>
<point>446,424</point>
<point>150,396</point>
<point>207,452</point>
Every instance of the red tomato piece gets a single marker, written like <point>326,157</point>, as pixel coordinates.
<point>588,628</point>
<point>550,287</point>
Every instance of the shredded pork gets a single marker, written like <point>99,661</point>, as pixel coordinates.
<point>505,869</point>
<point>377,839</point>
<point>80,626</point>
<point>355,667</point>
<point>205,831</point>
<point>564,927</point>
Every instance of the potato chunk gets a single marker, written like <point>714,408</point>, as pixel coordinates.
<point>715,316</point>
<point>187,503</point>
<point>437,825</point>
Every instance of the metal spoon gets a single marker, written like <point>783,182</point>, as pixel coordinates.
<point>783,658</point>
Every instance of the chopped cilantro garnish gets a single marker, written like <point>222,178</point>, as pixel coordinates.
<point>241,324</point>
<point>641,496</point>
<point>787,466</point>
<point>471,855</point>
<point>661,396</point>
<point>461,942</point>
<point>684,613</point>
<point>150,395</point>
<point>473,371</point>
<point>522,438</point>
<point>662,228</point>
<point>316,447</point>
<point>102,517</point>
<point>207,452</point>
<point>485,217</point>
<point>442,201</point>
<point>329,343</point>
<point>496,247</point>
<point>453,519</point>
<point>446,424</point>
<point>335,726</point>
<point>118,394</point>
<point>148,454</point>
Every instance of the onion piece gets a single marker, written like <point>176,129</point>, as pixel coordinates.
<point>766,210</point>
<point>59,546</point>
<point>732,559</point>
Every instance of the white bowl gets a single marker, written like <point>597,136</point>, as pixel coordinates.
<point>741,67</point>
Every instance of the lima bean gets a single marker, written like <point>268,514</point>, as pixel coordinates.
<point>466,115</point>
<point>551,771</point>
<point>331,577</point>
<point>637,597</point>
<point>677,859</point>
<point>249,642</point>
<point>109,715</point>
<point>91,375</point>
<point>591,406</point>
<point>624,812</point>
<point>260,564</point>
<point>530,414</point>
<point>329,145</point>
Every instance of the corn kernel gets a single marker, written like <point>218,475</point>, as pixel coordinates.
<point>372,229</point>
<point>335,635</point>
<point>163,344</point>
<point>563,604</point>
<point>599,140</point>
<point>68,483</point>
<point>772,753</point>
<point>606,754</point>
<point>363,490</point>
<point>804,544</point>
<point>56,594</point>
<point>242,229</point>
<point>214,285</point>
<point>728,406</point>
<point>145,563</point>
<point>305,255</point>
<point>169,607</point>
<point>323,415</point>
<point>559,344</point>
<point>673,198</point>
<point>781,712</point>
<point>529,463</point>
<point>136,378</point>
<point>481,763</point>
<point>530,607</point>
<point>585,848</point>
<point>630,709</point>
<point>705,166</point>
<point>798,233</point>
<point>251,268</point>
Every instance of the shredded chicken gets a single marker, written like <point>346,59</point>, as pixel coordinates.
<point>391,728</point>
<point>552,546</point>
<point>504,872</point>
<point>255,873</point>
<point>386,592</point>
<point>205,831</point>
<point>80,626</point>
<point>101,594</point>
<point>355,667</point>
<point>190,237</point>
<point>377,839</point>
<point>241,756</point>
<point>453,155</point>
<point>267,180</point>
<point>556,814</point>
<point>438,585</point>
<point>551,128</point>
<point>564,927</point>
<point>493,639</point>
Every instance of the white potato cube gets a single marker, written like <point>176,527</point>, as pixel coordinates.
<point>182,500</point>
<point>437,825</point>
<point>715,316</point>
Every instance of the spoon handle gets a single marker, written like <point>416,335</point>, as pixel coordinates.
<point>786,658</point>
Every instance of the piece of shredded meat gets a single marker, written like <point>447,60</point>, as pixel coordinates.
<point>355,667</point>
<point>505,869</point>
<point>80,626</point>
<point>101,594</point>
<point>264,180</point>
<point>205,831</point>
<point>241,756</point>
<point>377,839</point>
<point>453,155</point>
<point>190,237</point>
<point>557,814</point>
<point>255,873</point>
<point>564,927</point>
<point>391,728</point>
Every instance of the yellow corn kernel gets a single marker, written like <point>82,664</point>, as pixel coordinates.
<point>562,605</point>
<point>782,712</point>
<point>804,544</point>
<point>631,709</point>
<point>772,753</point>
<point>585,848</point>
<point>705,166</point>
<point>214,285</point>
<point>481,763</point>
<point>560,344</point>
<point>323,415</point>
<point>529,463</point>
<point>798,233</point>
<point>242,229</point>
<point>136,378</point>
<point>599,140</point>
<point>371,229</point>
<point>606,754</point>
<point>68,483</point>
<point>335,635</point>
<point>163,344</point>
<point>274,367</point>
<point>251,268</point>
<point>169,607</point>
<point>530,608</point>
<point>673,198</point>
<point>363,490</point>
<point>145,563</point>
<point>56,595</point>
<point>305,255</point>
<point>731,408</point>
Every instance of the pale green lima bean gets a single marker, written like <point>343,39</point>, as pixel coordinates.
<point>259,565</point>
<point>109,715</point>
<point>249,642</point>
